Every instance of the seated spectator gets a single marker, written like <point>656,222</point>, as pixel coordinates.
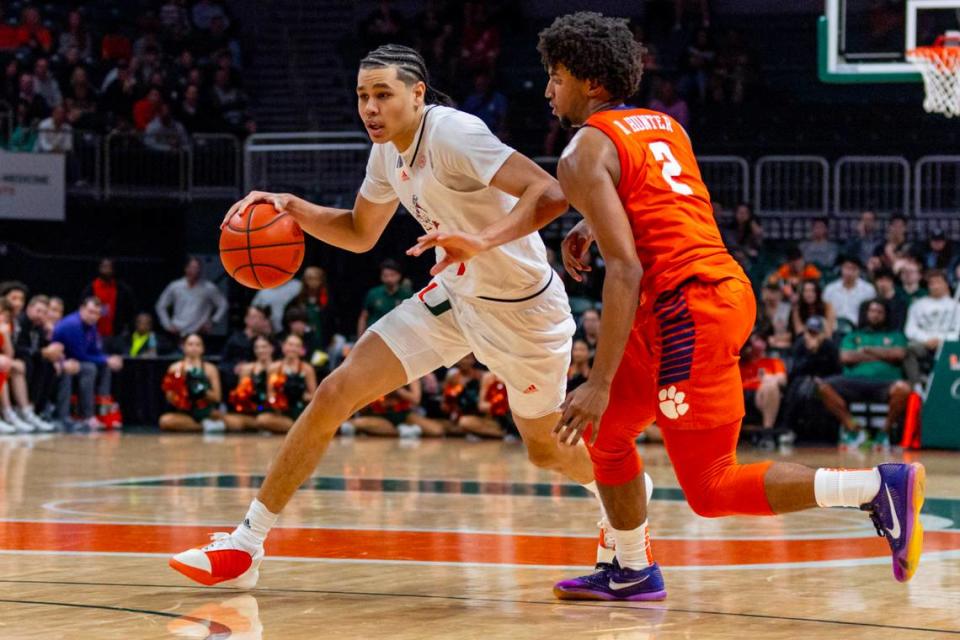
<point>764,379</point>
<point>579,370</point>
<point>24,136</point>
<point>291,384</point>
<point>119,92</point>
<point>54,134</point>
<point>117,298</point>
<point>34,348</point>
<point>871,358</point>
<point>398,415</point>
<point>668,101</point>
<point>744,231</point>
<point>10,82</point>
<point>911,281</point>
<point>228,101</point>
<point>773,317</point>
<point>85,361</point>
<point>192,388</point>
<point>813,356</point>
<point>296,321</point>
<point>697,64</point>
<point>930,322</point>
<point>9,34</point>
<point>589,331</point>
<point>938,254</point>
<point>196,302</point>
<point>463,393</point>
<point>249,397</point>
<point>809,304</point>
<point>849,292</point>
<point>54,313</point>
<point>37,108</point>
<point>146,109</point>
<point>238,350</point>
<point>32,34</point>
<point>895,247</point>
<point>480,39</point>
<point>885,283</point>
<point>76,36</point>
<point>191,113</point>
<point>383,25</point>
<point>205,11</point>
<point>314,300</point>
<point>793,272</point>
<point>487,104</point>
<point>81,100</point>
<point>277,299</point>
<point>14,293</point>
<point>865,242</point>
<point>383,299</point>
<point>16,410</point>
<point>819,249</point>
<point>142,341</point>
<point>492,419</point>
<point>174,21</point>
<point>45,85</point>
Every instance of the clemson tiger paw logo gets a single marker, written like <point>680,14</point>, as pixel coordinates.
<point>672,403</point>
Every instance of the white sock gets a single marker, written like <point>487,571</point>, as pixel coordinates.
<point>633,547</point>
<point>255,526</point>
<point>846,487</point>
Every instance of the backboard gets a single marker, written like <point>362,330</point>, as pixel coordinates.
<point>865,40</point>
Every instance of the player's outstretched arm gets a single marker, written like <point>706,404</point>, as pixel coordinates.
<point>356,229</point>
<point>589,171</point>
<point>541,201</point>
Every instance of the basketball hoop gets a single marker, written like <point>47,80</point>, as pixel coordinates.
<point>940,67</point>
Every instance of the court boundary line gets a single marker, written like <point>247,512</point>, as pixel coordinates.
<point>846,563</point>
<point>552,603</point>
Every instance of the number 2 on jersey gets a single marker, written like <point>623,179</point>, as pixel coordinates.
<point>671,168</point>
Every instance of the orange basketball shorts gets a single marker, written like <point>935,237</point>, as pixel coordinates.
<point>680,368</point>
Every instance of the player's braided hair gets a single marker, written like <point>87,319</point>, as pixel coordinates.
<point>594,47</point>
<point>410,66</point>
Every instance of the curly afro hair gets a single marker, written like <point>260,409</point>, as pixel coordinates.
<point>594,47</point>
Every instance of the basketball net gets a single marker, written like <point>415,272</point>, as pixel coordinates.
<point>940,67</point>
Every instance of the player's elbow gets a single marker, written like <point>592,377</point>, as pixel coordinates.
<point>626,270</point>
<point>552,203</point>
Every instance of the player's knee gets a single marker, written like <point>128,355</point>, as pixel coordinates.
<point>544,454</point>
<point>703,501</point>
<point>900,389</point>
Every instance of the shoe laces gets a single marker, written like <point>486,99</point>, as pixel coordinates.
<point>875,519</point>
<point>218,541</point>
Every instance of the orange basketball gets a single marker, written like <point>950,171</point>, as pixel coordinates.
<point>261,249</point>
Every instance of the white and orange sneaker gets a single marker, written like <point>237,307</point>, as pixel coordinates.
<point>223,562</point>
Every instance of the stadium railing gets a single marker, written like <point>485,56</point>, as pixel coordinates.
<point>215,169</point>
<point>791,186</point>
<point>936,186</point>
<point>878,183</point>
<point>326,165</point>
<point>135,170</point>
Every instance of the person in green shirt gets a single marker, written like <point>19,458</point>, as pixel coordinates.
<point>382,299</point>
<point>871,357</point>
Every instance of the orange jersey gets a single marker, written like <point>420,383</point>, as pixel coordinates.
<point>665,199</point>
<point>750,371</point>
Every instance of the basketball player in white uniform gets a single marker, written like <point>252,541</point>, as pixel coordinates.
<point>505,305</point>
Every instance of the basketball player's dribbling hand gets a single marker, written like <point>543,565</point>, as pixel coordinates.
<point>582,408</point>
<point>457,247</point>
<point>280,202</point>
<point>575,247</point>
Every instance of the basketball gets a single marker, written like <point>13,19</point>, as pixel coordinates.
<point>261,249</point>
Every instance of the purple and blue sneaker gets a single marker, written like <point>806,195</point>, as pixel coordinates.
<point>895,512</point>
<point>613,582</point>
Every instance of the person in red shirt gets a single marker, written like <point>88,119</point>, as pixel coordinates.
<point>146,109</point>
<point>33,34</point>
<point>119,304</point>
<point>764,378</point>
<point>677,309</point>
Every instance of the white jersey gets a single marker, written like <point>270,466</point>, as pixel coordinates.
<point>443,179</point>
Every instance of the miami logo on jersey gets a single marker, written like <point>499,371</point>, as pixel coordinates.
<point>423,216</point>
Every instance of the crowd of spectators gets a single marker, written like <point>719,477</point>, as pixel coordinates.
<point>838,324</point>
<point>169,70</point>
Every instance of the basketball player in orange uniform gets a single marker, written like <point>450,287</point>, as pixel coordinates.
<point>676,310</point>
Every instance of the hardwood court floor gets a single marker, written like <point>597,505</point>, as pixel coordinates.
<point>446,539</point>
